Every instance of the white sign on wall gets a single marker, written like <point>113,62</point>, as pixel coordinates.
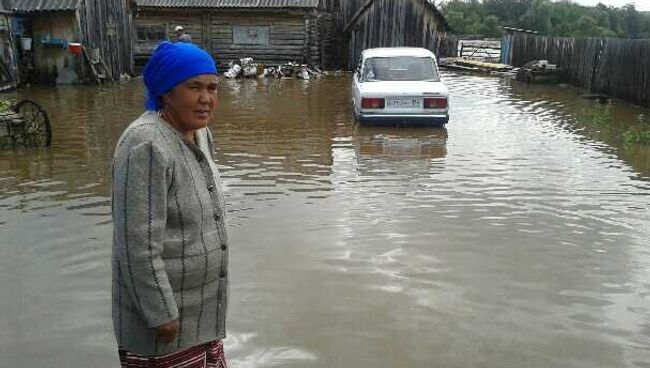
<point>251,35</point>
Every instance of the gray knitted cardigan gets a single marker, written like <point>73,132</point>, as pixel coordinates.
<point>170,248</point>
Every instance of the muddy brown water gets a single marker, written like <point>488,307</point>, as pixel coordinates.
<point>517,236</point>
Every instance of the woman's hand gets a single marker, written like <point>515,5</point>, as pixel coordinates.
<point>167,332</point>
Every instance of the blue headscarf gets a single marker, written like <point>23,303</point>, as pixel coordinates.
<point>169,65</point>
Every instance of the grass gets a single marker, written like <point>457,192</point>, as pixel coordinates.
<point>5,105</point>
<point>601,117</point>
<point>637,135</point>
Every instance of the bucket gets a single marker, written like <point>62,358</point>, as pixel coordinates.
<point>26,43</point>
<point>74,48</point>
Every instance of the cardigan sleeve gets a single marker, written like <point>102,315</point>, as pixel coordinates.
<point>140,215</point>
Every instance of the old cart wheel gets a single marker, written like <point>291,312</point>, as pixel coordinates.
<point>37,130</point>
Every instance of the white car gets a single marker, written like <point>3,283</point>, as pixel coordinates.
<point>398,86</point>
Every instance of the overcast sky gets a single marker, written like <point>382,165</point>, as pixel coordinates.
<point>641,5</point>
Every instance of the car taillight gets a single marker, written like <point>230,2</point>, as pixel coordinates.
<point>435,103</point>
<point>373,103</point>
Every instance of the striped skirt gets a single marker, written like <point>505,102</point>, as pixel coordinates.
<point>208,355</point>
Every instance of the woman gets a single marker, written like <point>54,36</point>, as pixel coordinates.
<point>170,244</point>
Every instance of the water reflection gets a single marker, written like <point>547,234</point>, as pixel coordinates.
<point>400,144</point>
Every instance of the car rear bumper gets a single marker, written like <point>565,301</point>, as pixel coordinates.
<point>395,119</point>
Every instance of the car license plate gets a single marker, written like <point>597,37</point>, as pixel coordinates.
<point>404,103</point>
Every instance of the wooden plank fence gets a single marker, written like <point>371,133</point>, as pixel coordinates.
<point>616,67</point>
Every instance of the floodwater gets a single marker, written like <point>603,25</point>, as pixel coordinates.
<point>517,236</point>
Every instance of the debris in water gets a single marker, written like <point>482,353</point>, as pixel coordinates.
<point>246,67</point>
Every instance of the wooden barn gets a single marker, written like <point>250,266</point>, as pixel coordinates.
<point>270,31</point>
<point>45,30</point>
<point>388,23</point>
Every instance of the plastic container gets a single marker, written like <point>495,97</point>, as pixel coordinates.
<point>93,54</point>
<point>75,48</point>
<point>26,43</point>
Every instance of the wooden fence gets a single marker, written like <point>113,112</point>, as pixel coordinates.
<point>106,24</point>
<point>616,67</point>
<point>489,50</point>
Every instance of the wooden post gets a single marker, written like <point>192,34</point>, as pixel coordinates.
<point>305,51</point>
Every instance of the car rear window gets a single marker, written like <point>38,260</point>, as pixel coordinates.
<point>399,68</point>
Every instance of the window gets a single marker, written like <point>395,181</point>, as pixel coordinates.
<point>151,33</point>
<point>250,35</point>
<point>399,68</point>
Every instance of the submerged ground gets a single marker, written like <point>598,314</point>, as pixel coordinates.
<point>517,236</point>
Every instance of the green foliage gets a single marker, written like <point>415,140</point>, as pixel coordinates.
<point>5,105</point>
<point>562,18</point>
<point>490,27</point>
<point>598,116</point>
<point>637,135</point>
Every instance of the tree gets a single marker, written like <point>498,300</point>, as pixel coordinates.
<point>508,11</point>
<point>563,18</point>
<point>537,17</point>
<point>490,27</point>
<point>561,30</point>
<point>586,26</point>
<point>473,26</point>
<point>632,20</point>
<point>456,21</point>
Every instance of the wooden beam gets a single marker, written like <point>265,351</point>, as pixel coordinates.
<point>357,15</point>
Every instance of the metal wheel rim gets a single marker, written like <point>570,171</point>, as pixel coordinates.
<point>37,125</point>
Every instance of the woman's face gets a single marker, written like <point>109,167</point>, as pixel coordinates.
<point>190,105</point>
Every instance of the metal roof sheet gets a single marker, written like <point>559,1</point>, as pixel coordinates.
<point>227,3</point>
<point>42,5</point>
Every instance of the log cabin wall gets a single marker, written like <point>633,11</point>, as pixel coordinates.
<point>330,35</point>
<point>271,37</point>
<point>326,40</point>
<point>289,36</point>
<point>154,26</point>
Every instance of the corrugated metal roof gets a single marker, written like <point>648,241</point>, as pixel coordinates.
<point>227,3</point>
<point>27,6</point>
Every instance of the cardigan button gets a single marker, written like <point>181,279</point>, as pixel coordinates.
<point>210,188</point>
<point>223,274</point>
<point>216,216</point>
<point>223,246</point>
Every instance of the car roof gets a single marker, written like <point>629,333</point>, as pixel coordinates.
<point>396,51</point>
